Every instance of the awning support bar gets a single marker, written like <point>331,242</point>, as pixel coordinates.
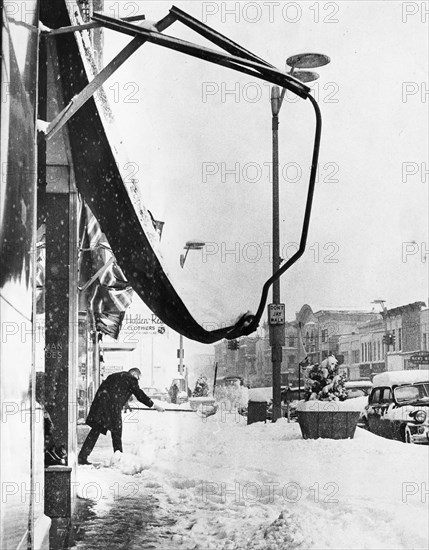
<point>82,97</point>
<point>216,37</point>
<point>85,26</point>
<point>258,70</point>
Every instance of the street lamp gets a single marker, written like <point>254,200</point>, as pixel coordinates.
<point>189,245</point>
<point>300,61</point>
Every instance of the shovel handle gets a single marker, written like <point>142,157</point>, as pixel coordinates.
<point>165,410</point>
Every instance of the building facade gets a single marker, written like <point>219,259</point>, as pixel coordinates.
<point>357,338</point>
<point>363,349</point>
<point>367,352</point>
<point>51,363</point>
<point>405,324</point>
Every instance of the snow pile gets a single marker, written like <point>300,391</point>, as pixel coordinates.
<point>232,396</point>
<point>205,410</point>
<point>356,404</point>
<point>206,399</point>
<point>185,406</point>
<point>230,486</point>
<point>201,403</point>
<point>133,463</point>
<point>392,378</point>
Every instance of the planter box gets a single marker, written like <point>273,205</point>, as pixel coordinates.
<point>328,424</point>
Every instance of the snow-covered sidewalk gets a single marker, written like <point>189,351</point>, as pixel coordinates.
<point>232,486</point>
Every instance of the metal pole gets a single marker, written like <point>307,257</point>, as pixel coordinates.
<point>386,345</point>
<point>152,381</point>
<point>166,410</point>
<point>181,361</point>
<point>214,381</point>
<point>276,348</point>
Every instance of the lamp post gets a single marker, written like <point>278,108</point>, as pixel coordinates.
<point>276,320</point>
<point>189,245</point>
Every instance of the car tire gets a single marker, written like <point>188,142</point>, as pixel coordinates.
<point>406,435</point>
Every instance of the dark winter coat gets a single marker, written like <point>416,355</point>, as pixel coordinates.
<point>111,396</point>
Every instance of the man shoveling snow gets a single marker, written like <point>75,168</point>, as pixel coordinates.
<point>105,411</point>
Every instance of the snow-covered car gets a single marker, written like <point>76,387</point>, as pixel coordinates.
<point>398,406</point>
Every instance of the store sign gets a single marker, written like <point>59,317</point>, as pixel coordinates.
<point>107,370</point>
<point>420,358</point>
<point>276,314</point>
<point>146,325</point>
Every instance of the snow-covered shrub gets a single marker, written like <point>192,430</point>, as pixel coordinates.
<point>201,387</point>
<point>324,382</point>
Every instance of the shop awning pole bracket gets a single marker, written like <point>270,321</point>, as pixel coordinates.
<point>213,36</point>
<point>82,97</point>
<point>241,64</point>
<point>239,60</point>
<point>85,26</point>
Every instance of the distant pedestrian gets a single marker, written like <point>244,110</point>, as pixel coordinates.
<point>105,411</point>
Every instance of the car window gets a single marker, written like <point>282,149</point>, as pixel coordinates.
<point>375,396</point>
<point>386,395</point>
<point>408,393</point>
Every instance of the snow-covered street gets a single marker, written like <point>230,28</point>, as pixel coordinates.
<point>190,482</point>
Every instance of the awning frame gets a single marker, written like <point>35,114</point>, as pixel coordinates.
<point>148,268</point>
<point>238,58</point>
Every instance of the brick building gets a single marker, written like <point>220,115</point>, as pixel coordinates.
<point>404,323</point>
<point>365,352</point>
<point>363,349</point>
<point>312,334</point>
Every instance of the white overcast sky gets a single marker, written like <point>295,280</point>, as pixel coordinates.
<point>374,103</point>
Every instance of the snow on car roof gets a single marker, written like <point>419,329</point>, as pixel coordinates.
<point>393,378</point>
<point>358,384</point>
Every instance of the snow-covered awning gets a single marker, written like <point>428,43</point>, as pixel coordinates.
<point>113,196</point>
